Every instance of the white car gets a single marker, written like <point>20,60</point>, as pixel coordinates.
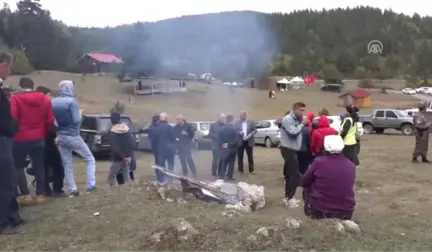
<point>412,111</point>
<point>409,91</point>
<point>423,90</point>
<point>335,123</point>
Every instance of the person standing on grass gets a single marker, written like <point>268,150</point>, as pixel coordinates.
<point>153,143</point>
<point>422,127</point>
<point>67,115</point>
<point>54,171</point>
<point>184,132</point>
<point>317,139</point>
<point>34,114</point>
<point>10,219</point>
<point>348,132</point>
<point>122,148</point>
<point>328,185</point>
<point>290,144</point>
<point>229,141</point>
<point>247,130</point>
<point>165,144</point>
<point>214,135</point>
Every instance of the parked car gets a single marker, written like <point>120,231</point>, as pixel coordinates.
<point>412,111</point>
<point>144,140</point>
<point>409,91</point>
<point>95,128</point>
<point>423,90</point>
<point>335,123</point>
<point>382,119</point>
<point>268,133</point>
<point>202,138</point>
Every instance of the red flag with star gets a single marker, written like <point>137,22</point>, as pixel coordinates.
<point>309,80</point>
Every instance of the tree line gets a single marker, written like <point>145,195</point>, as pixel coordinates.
<point>327,43</point>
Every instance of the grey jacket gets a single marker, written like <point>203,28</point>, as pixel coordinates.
<point>291,137</point>
<point>251,129</point>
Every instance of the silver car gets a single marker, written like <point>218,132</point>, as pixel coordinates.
<point>144,140</point>
<point>268,133</point>
<point>202,137</point>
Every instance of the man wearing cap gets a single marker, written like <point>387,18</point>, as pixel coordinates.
<point>421,126</point>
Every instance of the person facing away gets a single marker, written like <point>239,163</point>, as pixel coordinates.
<point>34,114</point>
<point>214,135</point>
<point>54,171</point>
<point>318,135</point>
<point>10,219</point>
<point>348,132</point>
<point>68,117</point>
<point>290,144</point>
<point>303,155</point>
<point>165,143</point>
<point>310,126</point>
<point>122,148</point>
<point>422,127</point>
<point>185,133</point>
<point>150,132</point>
<point>229,140</point>
<point>247,130</point>
<point>329,182</point>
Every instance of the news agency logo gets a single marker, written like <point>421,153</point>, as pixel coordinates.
<point>375,47</point>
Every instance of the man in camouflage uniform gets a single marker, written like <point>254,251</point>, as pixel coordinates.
<point>421,126</point>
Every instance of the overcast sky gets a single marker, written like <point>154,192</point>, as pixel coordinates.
<point>102,13</point>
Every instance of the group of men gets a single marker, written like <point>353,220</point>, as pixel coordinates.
<point>46,130</point>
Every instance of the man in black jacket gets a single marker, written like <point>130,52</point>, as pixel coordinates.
<point>10,220</point>
<point>213,133</point>
<point>184,134</point>
<point>229,140</point>
<point>122,146</point>
<point>165,143</point>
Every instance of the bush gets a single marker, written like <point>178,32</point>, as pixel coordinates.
<point>366,83</point>
<point>20,63</point>
<point>118,108</point>
<point>324,112</point>
<point>383,90</point>
<point>5,57</point>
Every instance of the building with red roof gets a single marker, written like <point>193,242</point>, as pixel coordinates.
<point>99,63</point>
<point>359,97</point>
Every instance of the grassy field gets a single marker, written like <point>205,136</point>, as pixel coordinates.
<point>392,193</point>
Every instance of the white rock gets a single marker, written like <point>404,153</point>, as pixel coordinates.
<point>161,192</point>
<point>156,237</point>
<point>364,191</point>
<point>170,200</point>
<point>96,214</point>
<point>263,231</point>
<point>184,228</point>
<point>339,227</point>
<point>252,238</point>
<point>293,223</point>
<point>351,226</point>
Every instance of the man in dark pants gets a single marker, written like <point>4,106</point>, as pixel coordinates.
<point>213,133</point>
<point>184,134</point>
<point>34,113</point>
<point>229,140</point>
<point>10,219</point>
<point>291,141</point>
<point>247,130</point>
<point>165,142</point>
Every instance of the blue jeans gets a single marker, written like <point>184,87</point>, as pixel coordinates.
<point>36,151</point>
<point>69,144</point>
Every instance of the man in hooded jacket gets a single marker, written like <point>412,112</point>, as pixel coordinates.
<point>68,116</point>
<point>34,115</point>
<point>318,135</point>
<point>10,219</point>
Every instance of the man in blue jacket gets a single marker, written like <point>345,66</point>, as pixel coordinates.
<point>229,140</point>
<point>184,134</point>
<point>165,144</point>
<point>213,133</point>
<point>68,117</point>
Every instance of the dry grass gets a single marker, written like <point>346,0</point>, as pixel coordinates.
<point>394,215</point>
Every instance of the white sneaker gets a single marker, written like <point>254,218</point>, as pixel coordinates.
<point>291,203</point>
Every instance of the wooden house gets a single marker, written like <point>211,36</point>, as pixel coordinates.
<point>99,63</point>
<point>358,97</point>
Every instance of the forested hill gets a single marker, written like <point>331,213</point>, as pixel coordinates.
<point>230,45</point>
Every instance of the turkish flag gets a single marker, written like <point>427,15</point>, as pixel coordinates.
<point>309,79</point>
<point>4,70</point>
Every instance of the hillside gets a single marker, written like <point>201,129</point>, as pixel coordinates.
<point>235,45</point>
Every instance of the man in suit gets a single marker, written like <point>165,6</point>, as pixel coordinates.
<point>184,134</point>
<point>247,130</point>
<point>229,140</point>
<point>213,133</point>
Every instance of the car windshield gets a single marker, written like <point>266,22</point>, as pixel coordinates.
<point>105,124</point>
<point>401,113</point>
<point>205,126</point>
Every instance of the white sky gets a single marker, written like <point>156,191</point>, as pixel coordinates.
<point>102,13</point>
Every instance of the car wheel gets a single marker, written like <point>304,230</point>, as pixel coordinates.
<point>268,142</point>
<point>407,130</point>
<point>367,128</point>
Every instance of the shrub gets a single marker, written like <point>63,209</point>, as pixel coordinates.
<point>20,63</point>
<point>383,90</point>
<point>366,83</point>
<point>118,107</point>
<point>5,57</point>
<point>324,111</point>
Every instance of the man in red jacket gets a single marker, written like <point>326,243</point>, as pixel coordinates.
<point>33,112</point>
<point>317,139</point>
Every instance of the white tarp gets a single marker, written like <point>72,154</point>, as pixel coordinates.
<point>284,81</point>
<point>297,80</point>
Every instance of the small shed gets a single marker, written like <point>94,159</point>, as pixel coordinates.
<point>358,97</point>
<point>99,63</point>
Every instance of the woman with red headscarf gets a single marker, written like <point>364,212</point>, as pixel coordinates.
<point>318,135</point>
